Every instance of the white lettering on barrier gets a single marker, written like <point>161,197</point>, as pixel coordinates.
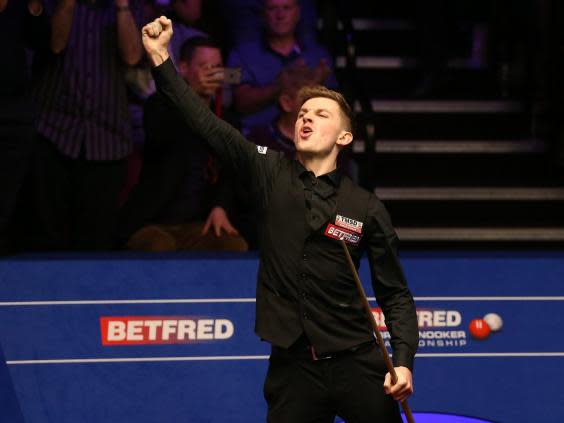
<point>427,318</point>
<point>127,330</point>
<point>116,331</point>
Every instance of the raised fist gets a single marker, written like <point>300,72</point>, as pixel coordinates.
<point>156,37</point>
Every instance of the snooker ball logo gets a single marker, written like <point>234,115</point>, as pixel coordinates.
<point>446,328</point>
<point>481,329</point>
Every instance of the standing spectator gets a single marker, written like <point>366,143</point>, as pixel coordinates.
<point>265,63</point>
<point>179,184</point>
<point>22,25</point>
<point>83,122</point>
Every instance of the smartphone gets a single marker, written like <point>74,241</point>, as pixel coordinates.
<point>232,75</point>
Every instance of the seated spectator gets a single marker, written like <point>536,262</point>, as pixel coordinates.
<point>186,14</point>
<point>265,63</point>
<point>140,83</point>
<point>178,186</point>
<point>243,19</point>
<point>279,133</point>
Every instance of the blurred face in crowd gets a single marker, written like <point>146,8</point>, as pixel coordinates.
<point>189,11</point>
<point>321,128</point>
<point>289,103</point>
<point>204,62</point>
<point>281,16</point>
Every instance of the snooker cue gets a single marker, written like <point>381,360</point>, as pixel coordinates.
<point>368,310</point>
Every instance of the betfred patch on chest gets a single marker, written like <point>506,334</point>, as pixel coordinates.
<point>333,231</point>
<point>348,223</point>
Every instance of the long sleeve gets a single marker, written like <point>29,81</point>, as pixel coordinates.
<point>230,146</point>
<point>390,286</point>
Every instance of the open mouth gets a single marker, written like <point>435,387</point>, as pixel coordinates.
<point>306,131</point>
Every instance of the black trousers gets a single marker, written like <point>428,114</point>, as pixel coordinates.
<point>349,385</point>
<point>76,200</point>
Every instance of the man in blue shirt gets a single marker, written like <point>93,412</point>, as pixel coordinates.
<point>266,62</point>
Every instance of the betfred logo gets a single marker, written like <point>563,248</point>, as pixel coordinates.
<point>147,330</point>
<point>335,232</point>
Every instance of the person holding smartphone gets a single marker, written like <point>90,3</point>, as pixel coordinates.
<point>183,196</point>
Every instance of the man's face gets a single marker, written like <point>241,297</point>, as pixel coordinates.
<point>319,127</point>
<point>281,16</point>
<point>204,61</point>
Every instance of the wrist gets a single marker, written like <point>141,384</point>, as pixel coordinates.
<point>158,57</point>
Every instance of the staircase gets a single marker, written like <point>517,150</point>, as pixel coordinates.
<point>464,166</point>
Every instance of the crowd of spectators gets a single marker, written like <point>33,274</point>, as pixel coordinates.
<point>94,159</point>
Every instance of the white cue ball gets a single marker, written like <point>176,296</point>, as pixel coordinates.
<point>494,321</point>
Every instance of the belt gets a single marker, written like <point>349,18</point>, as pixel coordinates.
<point>341,353</point>
<point>302,349</point>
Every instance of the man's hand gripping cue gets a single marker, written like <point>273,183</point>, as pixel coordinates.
<point>403,388</point>
<point>156,37</point>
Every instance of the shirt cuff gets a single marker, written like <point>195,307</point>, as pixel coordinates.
<point>162,74</point>
<point>403,358</point>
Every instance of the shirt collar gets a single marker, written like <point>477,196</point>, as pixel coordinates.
<point>294,54</point>
<point>333,178</point>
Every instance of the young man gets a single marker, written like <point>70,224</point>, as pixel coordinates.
<point>324,360</point>
<point>279,134</point>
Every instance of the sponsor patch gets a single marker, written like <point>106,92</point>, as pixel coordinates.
<point>348,223</point>
<point>346,235</point>
<point>262,149</point>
